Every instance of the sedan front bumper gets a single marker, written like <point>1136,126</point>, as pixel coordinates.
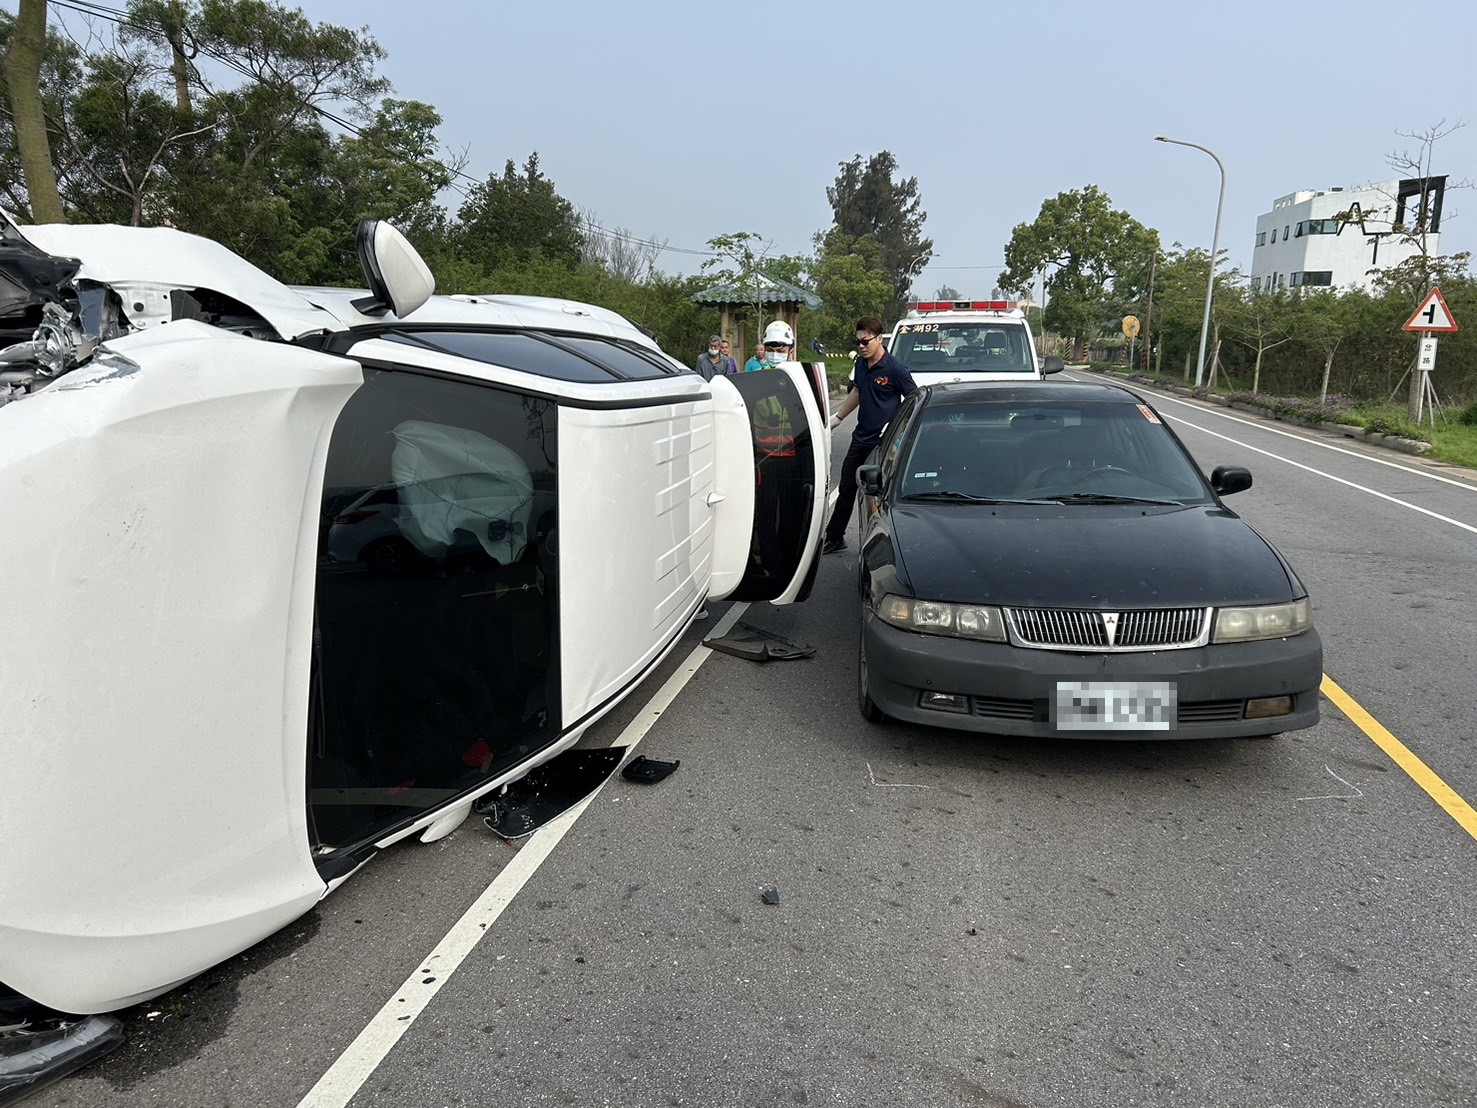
<point>1010,689</point>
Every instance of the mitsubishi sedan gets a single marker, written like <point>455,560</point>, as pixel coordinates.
<point>1047,560</point>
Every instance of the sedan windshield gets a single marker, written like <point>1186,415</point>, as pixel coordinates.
<point>1076,453</point>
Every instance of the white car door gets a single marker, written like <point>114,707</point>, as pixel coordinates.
<point>776,458</point>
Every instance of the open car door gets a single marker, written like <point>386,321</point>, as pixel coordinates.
<point>781,451</point>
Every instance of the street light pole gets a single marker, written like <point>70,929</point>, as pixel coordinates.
<point>1215,247</point>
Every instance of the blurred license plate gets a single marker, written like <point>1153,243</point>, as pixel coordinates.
<point>1114,706</point>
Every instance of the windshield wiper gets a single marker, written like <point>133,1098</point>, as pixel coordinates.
<point>1105,498</point>
<point>967,497</point>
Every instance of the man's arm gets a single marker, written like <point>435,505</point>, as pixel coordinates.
<point>847,407</point>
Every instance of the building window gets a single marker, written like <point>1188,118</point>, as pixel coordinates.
<point>1323,277</point>
<point>1274,234</point>
<point>1256,282</point>
<point>1261,239</point>
<point>1316,227</point>
<point>1285,229</point>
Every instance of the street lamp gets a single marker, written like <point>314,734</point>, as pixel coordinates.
<point>1215,247</point>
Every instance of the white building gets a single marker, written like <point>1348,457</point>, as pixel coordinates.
<point>1334,238</point>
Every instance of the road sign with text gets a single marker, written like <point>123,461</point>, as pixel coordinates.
<point>1433,315</point>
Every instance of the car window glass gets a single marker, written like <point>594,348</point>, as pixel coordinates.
<point>434,660</point>
<point>991,450</point>
<point>513,350</point>
<point>975,346</point>
<point>897,434</point>
<point>628,361</point>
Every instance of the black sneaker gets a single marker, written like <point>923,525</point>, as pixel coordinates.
<point>833,546</point>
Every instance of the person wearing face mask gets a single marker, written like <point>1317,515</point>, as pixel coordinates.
<point>779,343</point>
<point>878,384</point>
<point>712,363</point>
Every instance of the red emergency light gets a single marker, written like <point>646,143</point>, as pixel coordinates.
<point>963,305</point>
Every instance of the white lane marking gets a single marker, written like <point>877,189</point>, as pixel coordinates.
<point>1331,477</point>
<point>1358,792</point>
<point>891,784</point>
<point>358,1062</point>
<point>1468,485</point>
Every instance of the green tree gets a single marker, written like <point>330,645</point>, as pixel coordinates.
<point>1324,319</point>
<point>510,218</point>
<point>946,292</point>
<point>850,280</point>
<point>1099,257</point>
<point>866,202</point>
<point>1262,321</point>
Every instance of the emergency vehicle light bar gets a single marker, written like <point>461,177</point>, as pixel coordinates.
<point>963,305</point>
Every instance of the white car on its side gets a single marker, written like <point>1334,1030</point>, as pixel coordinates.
<point>943,341</point>
<point>212,714</point>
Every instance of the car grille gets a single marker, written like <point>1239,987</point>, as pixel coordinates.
<point>1088,629</point>
<point>999,707</point>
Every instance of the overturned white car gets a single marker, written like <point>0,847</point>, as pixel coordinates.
<point>546,500</point>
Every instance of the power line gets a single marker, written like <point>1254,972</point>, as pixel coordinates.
<point>123,18</point>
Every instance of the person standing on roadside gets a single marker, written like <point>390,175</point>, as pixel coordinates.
<point>711,363</point>
<point>878,384</point>
<point>730,364</point>
<point>757,361</point>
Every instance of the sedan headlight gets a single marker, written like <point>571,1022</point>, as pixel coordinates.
<point>1267,621</point>
<point>934,617</point>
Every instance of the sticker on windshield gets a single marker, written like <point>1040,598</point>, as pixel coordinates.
<point>1148,413</point>
<point>931,473</point>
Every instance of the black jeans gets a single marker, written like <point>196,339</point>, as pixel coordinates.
<point>856,455</point>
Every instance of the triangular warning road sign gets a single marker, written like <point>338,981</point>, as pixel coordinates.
<point>1432,315</point>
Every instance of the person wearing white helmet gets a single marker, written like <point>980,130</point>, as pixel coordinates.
<point>779,343</point>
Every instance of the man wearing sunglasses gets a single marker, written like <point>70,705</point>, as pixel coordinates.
<point>878,384</point>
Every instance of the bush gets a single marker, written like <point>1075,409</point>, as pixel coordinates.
<point>1467,417</point>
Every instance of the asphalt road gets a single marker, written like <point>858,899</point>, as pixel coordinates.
<point>961,920</point>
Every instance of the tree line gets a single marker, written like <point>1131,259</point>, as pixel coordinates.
<point>245,121</point>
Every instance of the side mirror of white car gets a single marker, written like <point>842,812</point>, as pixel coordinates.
<point>399,279</point>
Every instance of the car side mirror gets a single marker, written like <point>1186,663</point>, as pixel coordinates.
<point>1053,364</point>
<point>869,479</point>
<point>1228,479</point>
<point>399,279</point>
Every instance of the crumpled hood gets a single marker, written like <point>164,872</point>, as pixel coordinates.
<point>1087,556</point>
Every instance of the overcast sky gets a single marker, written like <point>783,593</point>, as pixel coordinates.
<point>682,121</point>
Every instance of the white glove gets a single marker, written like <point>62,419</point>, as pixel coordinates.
<point>835,421</point>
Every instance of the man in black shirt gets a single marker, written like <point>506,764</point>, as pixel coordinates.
<point>878,384</point>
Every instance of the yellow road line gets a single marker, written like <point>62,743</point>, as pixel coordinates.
<point>1422,774</point>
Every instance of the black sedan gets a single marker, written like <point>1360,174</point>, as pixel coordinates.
<point>1047,560</point>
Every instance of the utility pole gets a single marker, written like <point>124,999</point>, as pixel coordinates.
<point>1149,313</point>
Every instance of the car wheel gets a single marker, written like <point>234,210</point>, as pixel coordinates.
<point>870,712</point>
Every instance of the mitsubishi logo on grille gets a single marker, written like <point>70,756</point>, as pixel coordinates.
<point>1110,626</point>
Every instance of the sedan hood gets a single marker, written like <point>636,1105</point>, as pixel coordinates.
<point>1087,556</point>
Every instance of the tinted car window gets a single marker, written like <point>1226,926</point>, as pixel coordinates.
<point>512,349</point>
<point>628,361</point>
<point>994,450</point>
<point>436,622</point>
